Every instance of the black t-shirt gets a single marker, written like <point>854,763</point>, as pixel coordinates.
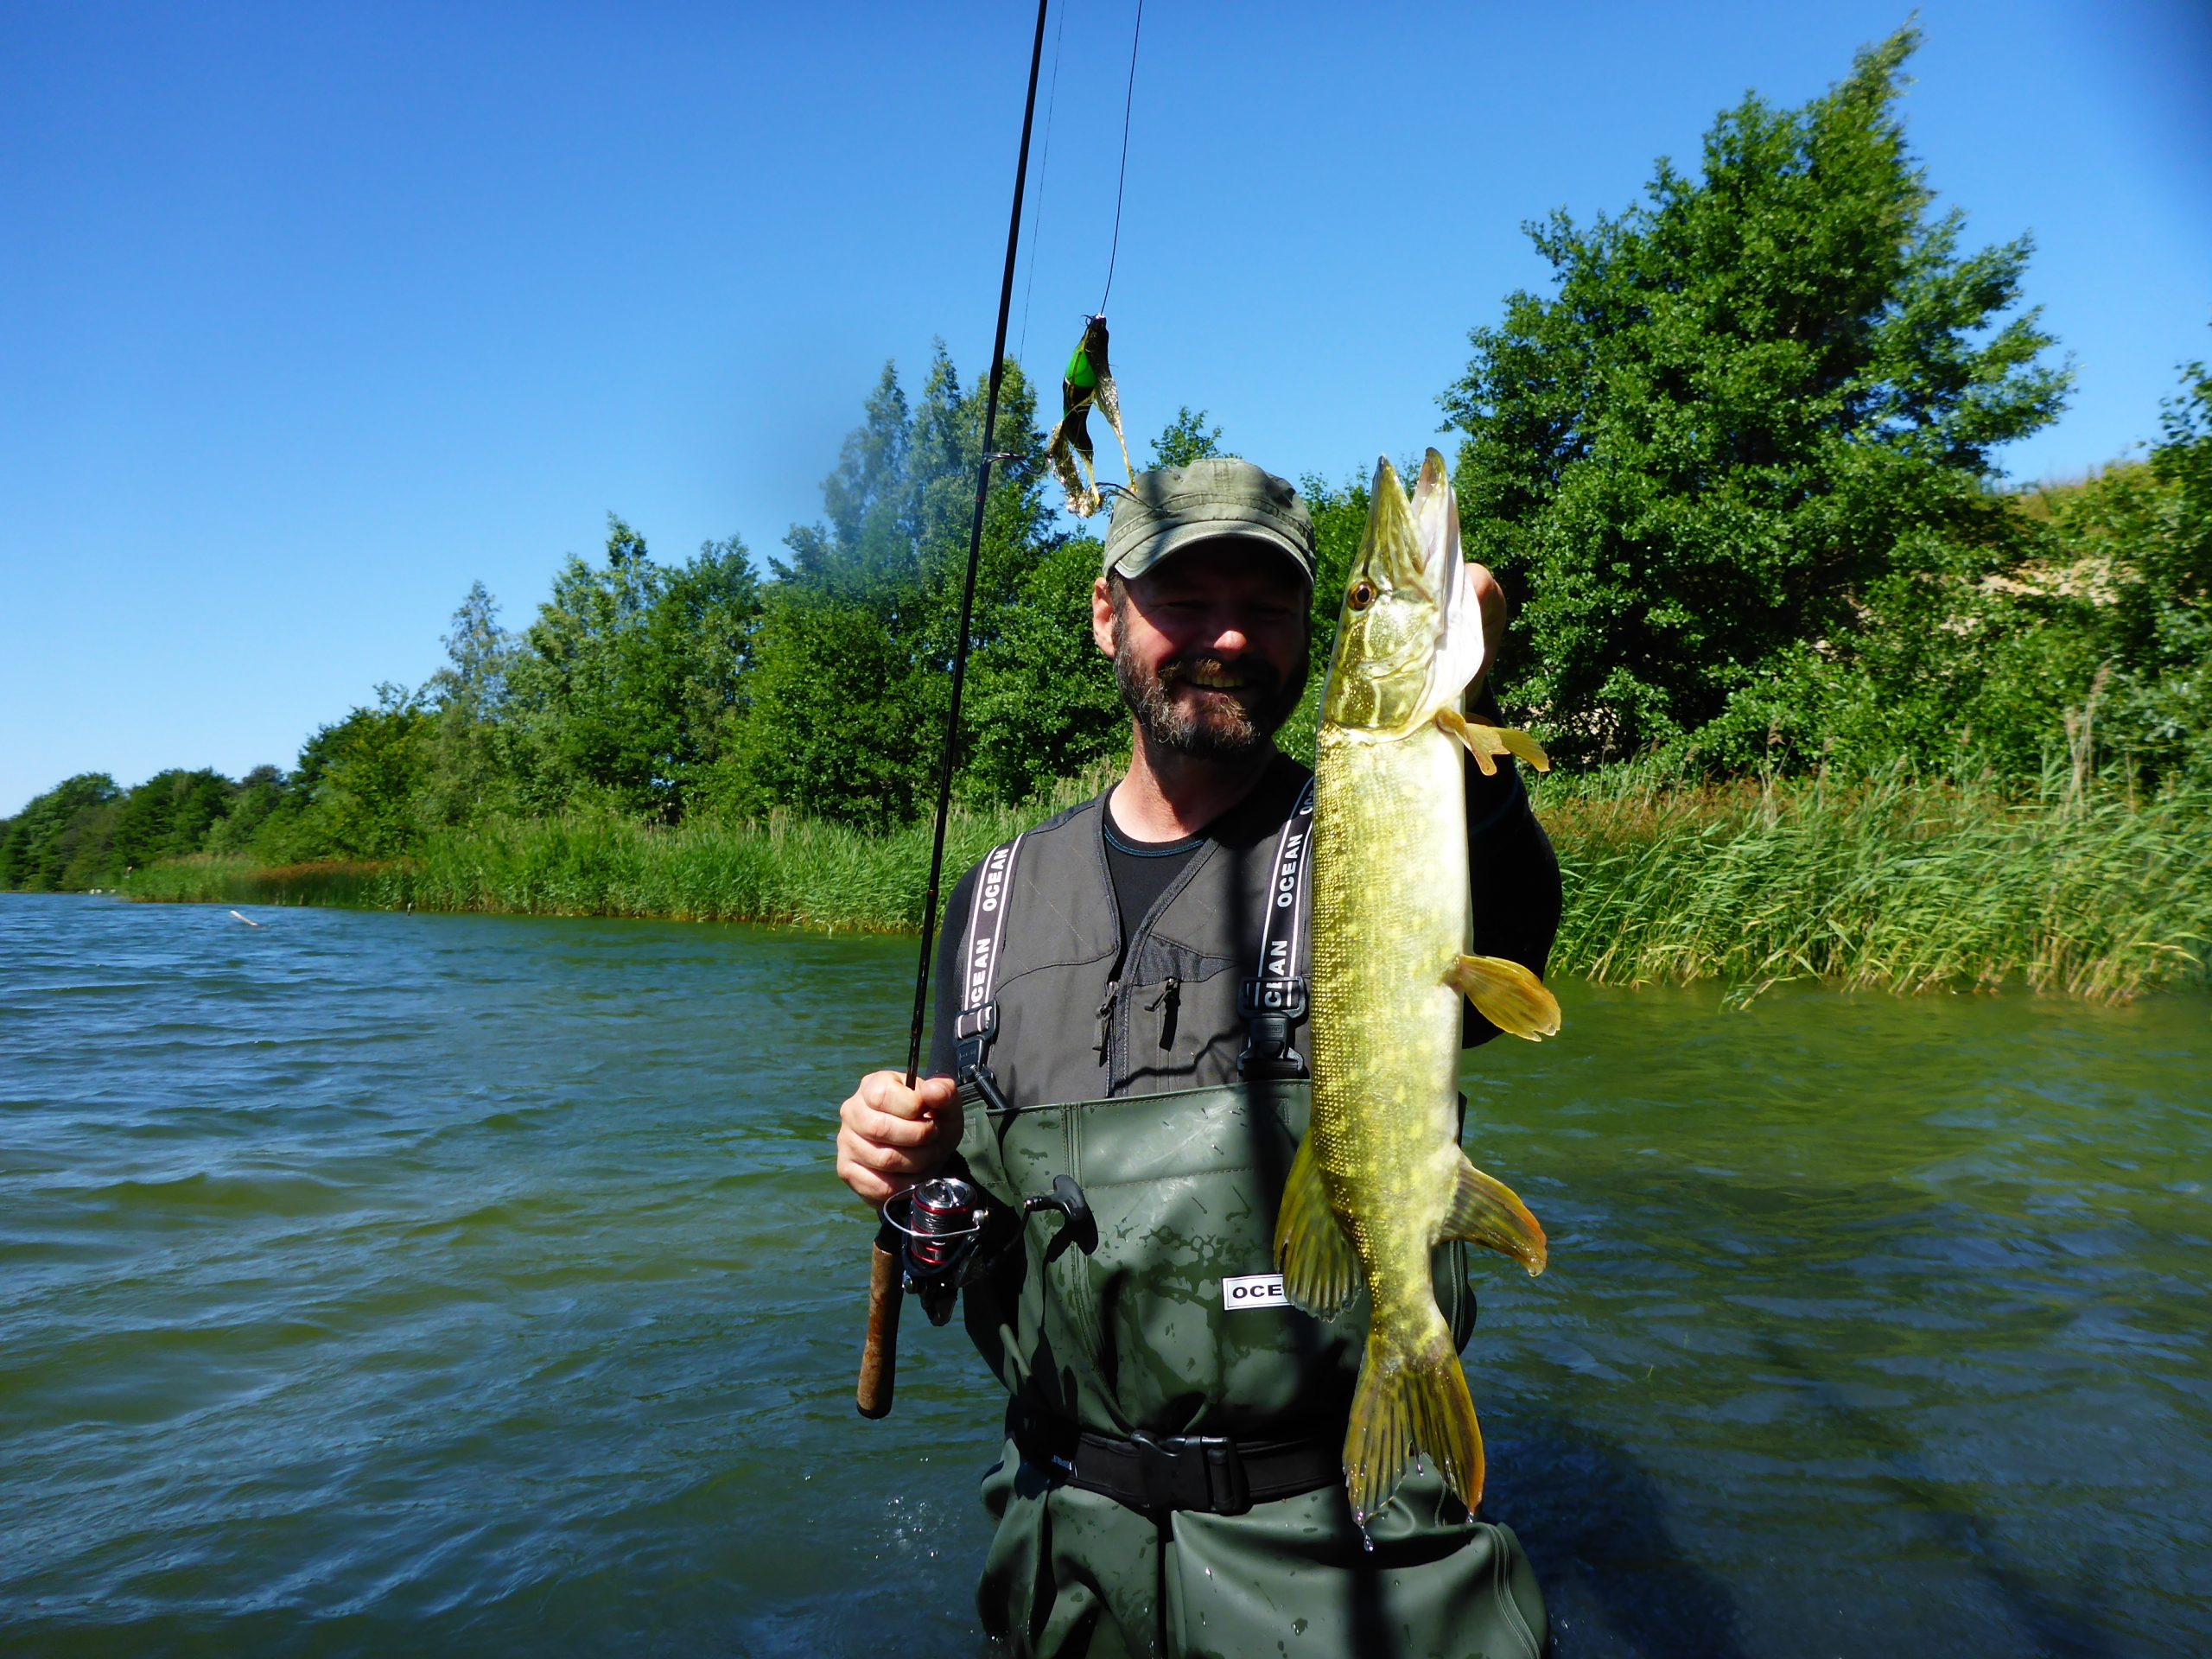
<point>1142,870</point>
<point>1516,893</point>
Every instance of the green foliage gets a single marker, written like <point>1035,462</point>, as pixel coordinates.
<point>850,683</point>
<point>60,841</point>
<point>1340,512</point>
<point>783,869</point>
<point>1185,439</point>
<point>1896,881</point>
<point>1043,704</point>
<point>166,816</point>
<point>254,801</point>
<point>1750,395</point>
<point>622,688</point>
<point>353,794</point>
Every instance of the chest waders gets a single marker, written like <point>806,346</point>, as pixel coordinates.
<point>1171,1484</point>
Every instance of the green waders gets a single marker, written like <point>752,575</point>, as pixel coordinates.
<point>1137,1339</point>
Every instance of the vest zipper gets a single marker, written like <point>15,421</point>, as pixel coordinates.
<point>1106,1018</point>
<point>1170,997</point>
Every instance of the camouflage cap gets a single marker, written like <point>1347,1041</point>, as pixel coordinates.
<point>1166,511</point>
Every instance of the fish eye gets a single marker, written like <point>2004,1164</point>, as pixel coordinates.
<point>1362,595</point>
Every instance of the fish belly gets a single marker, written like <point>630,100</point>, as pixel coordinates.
<point>1391,914</point>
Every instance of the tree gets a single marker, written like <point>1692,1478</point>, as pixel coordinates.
<point>1185,439</point>
<point>256,797</point>
<point>59,840</point>
<point>1044,704</point>
<point>622,687</point>
<point>168,817</point>
<point>353,794</point>
<point>1753,396</point>
<point>854,652</point>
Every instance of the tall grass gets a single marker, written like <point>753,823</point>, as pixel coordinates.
<point>784,870</point>
<point>215,877</point>
<point>1896,881</point>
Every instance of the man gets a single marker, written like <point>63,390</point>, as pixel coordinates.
<point>1118,1000</point>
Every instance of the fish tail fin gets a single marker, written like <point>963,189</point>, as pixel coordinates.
<point>1507,995</point>
<point>1486,1211</point>
<point>1411,1400</point>
<point>1320,1274</point>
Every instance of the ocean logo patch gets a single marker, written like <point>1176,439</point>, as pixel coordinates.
<point>1253,1290</point>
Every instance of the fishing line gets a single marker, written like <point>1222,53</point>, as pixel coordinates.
<point>1127,99</point>
<point>1044,172</point>
<point>974,554</point>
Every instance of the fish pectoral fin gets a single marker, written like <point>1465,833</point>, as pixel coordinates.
<point>1507,995</point>
<point>1409,1402</point>
<point>1485,743</point>
<point>1486,1211</point>
<point>1320,1274</point>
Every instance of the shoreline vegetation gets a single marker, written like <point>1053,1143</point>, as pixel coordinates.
<point>1829,696</point>
<point>1896,882</point>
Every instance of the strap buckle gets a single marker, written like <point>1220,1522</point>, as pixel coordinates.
<point>973,1031</point>
<point>1192,1471</point>
<point>1271,1009</point>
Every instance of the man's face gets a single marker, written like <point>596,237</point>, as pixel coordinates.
<point>1209,647</point>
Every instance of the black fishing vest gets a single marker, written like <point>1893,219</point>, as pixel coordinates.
<point>1208,989</point>
<point>1162,1073</point>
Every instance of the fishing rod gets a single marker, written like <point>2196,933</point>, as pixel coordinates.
<point>878,1360</point>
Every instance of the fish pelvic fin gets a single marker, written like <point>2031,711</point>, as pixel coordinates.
<point>1486,743</point>
<point>1411,1399</point>
<point>1507,995</point>
<point>1486,1211</point>
<point>1320,1274</point>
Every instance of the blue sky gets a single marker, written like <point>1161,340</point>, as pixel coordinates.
<point>310,316</point>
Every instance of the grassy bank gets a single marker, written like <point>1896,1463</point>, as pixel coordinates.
<point>795,871</point>
<point>1896,882</point>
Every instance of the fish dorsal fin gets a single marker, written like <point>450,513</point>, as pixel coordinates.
<point>1460,642</point>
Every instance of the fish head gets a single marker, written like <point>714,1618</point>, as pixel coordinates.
<point>1409,636</point>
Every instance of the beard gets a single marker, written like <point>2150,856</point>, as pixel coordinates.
<point>1220,723</point>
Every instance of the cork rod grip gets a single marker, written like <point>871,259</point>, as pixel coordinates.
<point>880,1358</point>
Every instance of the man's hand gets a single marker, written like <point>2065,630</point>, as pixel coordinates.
<point>1491,598</point>
<point>890,1136</point>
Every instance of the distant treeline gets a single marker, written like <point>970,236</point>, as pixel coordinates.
<point>1736,467</point>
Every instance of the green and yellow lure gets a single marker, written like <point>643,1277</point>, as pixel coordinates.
<point>1089,381</point>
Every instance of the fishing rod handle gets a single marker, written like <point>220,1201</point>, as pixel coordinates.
<point>880,1358</point>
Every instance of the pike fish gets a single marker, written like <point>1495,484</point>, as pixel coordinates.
<point>1380,1181</point>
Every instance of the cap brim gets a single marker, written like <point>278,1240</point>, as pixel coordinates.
<point>1181,537</point>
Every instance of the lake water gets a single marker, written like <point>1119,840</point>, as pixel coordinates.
<point>377,1284</point>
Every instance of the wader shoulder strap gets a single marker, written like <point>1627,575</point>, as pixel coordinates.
<point>1273,1001</point>
<point>977,1022</point>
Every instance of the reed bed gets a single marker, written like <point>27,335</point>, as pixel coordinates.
<point>214,878</point>
<point>1896,882</point>
<point>794,871</point>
